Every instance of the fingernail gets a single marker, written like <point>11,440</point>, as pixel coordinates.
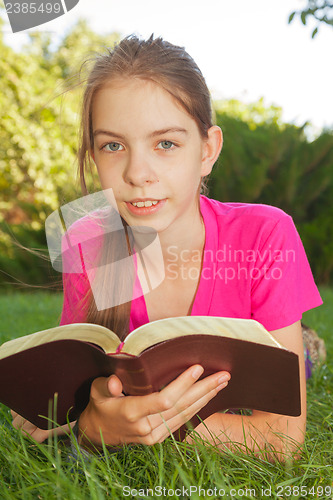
<point>224,378</point>
<point>222,386</point>
<point>198,370</point>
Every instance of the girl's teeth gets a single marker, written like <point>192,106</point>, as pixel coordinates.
<point>140,204</point>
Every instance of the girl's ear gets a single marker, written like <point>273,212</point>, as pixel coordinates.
<point>92,155</point>
<point>211,149</point>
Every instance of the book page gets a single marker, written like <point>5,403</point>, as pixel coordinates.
<point>168,328</point>
<point>87,332</point>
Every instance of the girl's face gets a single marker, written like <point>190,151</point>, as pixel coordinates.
<point>150,152</point>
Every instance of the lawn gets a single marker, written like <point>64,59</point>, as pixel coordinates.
<point>173,470</point>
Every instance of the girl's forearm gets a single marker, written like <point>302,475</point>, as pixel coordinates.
<point>267,435</point>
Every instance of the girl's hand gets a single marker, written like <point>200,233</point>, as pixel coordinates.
<point>33,431</point>
<point>145,419</point>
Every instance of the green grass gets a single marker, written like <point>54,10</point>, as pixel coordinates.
<point>47,471</point>
<point>23,313</point>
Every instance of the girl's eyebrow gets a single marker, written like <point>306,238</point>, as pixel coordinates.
<point>168,130</point>
<point>108,132</point>
<point>153,134</point>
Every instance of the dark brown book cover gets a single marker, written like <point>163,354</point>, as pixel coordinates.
<point>262,377</point>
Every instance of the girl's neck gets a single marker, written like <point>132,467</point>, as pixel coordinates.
<point>176,241</point>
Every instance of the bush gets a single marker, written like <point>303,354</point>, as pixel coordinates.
<point>276,164</point>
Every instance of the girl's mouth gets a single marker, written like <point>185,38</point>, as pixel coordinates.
<point>144,207</point>
<point>147,203</point>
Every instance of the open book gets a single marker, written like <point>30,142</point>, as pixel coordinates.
<point>66,359</point>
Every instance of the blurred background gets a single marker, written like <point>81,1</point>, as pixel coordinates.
<point>268,66</point>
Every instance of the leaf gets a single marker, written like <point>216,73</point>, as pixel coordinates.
<point>315,31</point>
<point>291,17</point>
<point>303,17</point>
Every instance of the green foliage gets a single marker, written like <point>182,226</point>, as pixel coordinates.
<point>275,164</point>
<point>39,102</point>
<point>25,265</point>
<point>38,123</point>
<point>318,10</point>
<point>263,159</point>
<point>254,113</point>
<point>79,44</point>
<point>38,144</point>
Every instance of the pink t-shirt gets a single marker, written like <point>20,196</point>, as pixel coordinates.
<point>254,266</point>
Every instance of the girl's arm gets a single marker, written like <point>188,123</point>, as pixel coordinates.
<point>145,419</point>
<point>135,419</point>
<point>267,434</point>
<point>33,431</point>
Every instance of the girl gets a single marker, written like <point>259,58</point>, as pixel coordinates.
<point>147,126</point>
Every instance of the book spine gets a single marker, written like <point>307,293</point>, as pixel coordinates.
<point>133,376</point>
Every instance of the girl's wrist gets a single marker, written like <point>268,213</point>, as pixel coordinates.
<point>79,449</point>
<point>86,437</point>
<point>91,440</point>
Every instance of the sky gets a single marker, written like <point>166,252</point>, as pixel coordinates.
<point>245,49</point>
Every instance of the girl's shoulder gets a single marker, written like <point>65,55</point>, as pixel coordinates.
<point>88,226</point>
<point>247,221</point>
<point>83,240</point>
<point>236,210</point>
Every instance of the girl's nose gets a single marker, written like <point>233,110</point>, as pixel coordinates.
<point>139,171</point>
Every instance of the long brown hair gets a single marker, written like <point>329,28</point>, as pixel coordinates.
<point>170,67</point>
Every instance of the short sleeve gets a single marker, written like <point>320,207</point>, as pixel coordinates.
<point>80,250</point>
<point>282,286</point>
<point>76,286</point>
<point>76,292</point>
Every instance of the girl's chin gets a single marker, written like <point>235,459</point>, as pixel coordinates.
<point>157,225</point>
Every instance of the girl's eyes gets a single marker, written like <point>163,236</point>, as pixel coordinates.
<point>165,145</point>
<point>113,146</point>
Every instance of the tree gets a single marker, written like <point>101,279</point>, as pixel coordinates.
<point>274,163</point>
<point>319,10</point>
<point>38,116</point>
<point>38,136</point>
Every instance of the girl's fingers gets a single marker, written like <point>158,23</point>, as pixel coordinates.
<point>175,422</point>
<point>28,428</point>
<point>161,428</point>
<point>35,432</point>
<point>103,387</point>
<point>184,391</point>
<point>141,419</point>
<point>166,422</point>
<point>158,402</point>
<point>40,435</point>
<point>114,385</point>
<point>157,426</point>
<point>23,424</point>
<point>199,394</point>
